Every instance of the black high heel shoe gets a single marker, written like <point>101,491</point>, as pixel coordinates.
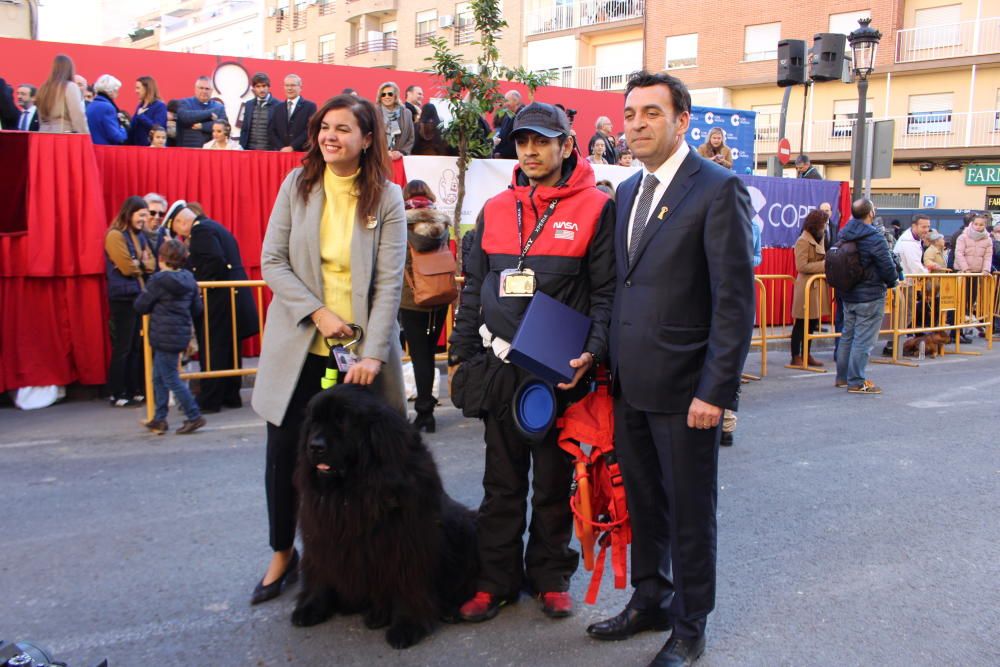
<point>424,421</point>
<point>262,593</point>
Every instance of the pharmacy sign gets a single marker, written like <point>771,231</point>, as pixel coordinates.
<point>982,174</point>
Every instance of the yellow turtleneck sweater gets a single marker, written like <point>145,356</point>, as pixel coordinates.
<point>335,233</point>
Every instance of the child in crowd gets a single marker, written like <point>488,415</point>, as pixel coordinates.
<point>173,298</point>
<point>158,137</point>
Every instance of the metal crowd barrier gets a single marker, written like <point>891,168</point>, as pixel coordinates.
<point>923,303</point>
<point>204,286</point>
<point>774,301</point>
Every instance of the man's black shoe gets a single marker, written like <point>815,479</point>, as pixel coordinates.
<point>727,439</point>
<point>628,623</point>
<point>679,652</point>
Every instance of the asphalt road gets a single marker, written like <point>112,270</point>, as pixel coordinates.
<point>853,530</point>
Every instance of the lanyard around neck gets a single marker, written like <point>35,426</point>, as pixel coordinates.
<point>534,233</point>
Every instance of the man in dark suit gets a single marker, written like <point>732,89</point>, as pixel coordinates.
<point>9,114</point>
<point>290,121</point>
<point>680,330</point>
<point>255,121</point>
<point>28,122</point>
<point>503,140</point>
<point>215,255</point>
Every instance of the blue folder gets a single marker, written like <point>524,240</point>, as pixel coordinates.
<point>551,334</point>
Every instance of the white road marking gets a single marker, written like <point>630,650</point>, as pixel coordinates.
<point>28,443</point>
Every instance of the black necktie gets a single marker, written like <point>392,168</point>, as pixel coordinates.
<point>642,214</point>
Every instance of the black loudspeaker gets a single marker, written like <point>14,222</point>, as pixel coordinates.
<point>827,58</point>
<point>791,62</point>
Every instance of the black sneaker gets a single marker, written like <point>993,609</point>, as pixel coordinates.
<point>727,439</point>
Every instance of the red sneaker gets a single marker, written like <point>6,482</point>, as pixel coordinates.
<point>482,607</point>
<point>556,604</point>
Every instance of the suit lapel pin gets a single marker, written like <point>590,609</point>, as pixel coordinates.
<point>663,212</point>
<point>372,222</point>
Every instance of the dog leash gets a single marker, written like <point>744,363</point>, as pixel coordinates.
<point>340,359</point>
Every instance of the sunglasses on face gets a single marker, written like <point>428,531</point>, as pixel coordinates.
<point>388,94</point>
<point>157,214</point>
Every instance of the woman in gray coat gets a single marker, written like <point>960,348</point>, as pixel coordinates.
<point>333,255</point>
<point>397,121</point>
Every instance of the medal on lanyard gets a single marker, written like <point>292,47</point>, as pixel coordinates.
<point>521,282</point>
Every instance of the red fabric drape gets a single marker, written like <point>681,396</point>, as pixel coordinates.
<point>52,286</point>
<point>777,262</point>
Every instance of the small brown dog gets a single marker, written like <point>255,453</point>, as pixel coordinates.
<point>934,343</point>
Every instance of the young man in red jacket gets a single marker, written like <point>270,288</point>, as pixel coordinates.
<point>550,231</point>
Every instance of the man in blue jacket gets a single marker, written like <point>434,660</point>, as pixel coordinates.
<point>864,304</point>
<point>196,114</point>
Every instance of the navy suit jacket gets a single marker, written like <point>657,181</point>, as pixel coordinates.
<point>292,131</point>
<point>248,108</point>
<point>684,309</point>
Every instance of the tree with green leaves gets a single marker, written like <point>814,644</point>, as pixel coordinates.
<point>474,91</point>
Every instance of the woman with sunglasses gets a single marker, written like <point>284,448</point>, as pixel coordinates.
<point>157,204</point>
<point>333,255</point>
<point>397,120</point>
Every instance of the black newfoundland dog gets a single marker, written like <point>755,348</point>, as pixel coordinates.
<point>379,533</point>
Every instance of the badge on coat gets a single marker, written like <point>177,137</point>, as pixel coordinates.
<point>371,222</point>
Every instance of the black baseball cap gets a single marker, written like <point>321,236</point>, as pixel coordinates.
<point>545,119</point>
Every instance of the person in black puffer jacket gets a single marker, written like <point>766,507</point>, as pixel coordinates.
<point>426,230</point>
<point>173,298</point>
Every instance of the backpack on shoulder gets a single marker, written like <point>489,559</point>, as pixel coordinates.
<point>431,277</point>
<point>843,266</point>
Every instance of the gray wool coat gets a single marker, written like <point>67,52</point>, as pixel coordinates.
<point>292,267</point>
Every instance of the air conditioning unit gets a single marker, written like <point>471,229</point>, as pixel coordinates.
<point>272,12</point>
<point>446,21</point>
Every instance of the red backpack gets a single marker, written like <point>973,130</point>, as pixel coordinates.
<point>598,493</point>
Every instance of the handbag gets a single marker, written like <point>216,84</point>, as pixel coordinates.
<point>431,277</point>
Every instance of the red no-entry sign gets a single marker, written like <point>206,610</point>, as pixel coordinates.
<point>784,151</point>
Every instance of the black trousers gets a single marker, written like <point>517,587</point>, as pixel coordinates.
<point>125,375</point>
<point>547,562</point>
<point>798,334</point>
<point>422,330</point>
<point>671,481</point>
<point>282,455</point>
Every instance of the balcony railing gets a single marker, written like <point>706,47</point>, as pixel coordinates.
<point>914,131</point>
<point>326,58</point>
<point>465,33</point>
<point>326,7</point>
<point>300,16</point>
<point>582,13</point>
<point>424,38</point>
<point>953,40</point>
<point>591,78</point>
<point>372,46</point>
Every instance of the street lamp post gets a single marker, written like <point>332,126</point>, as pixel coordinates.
<point>864,45</point>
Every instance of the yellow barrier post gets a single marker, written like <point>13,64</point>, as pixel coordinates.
<point>147,357</point>
<point>818,283</point>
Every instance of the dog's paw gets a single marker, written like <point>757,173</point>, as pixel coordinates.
<point>376,618</point>
<point>309,614</point>
<point>404,635</point>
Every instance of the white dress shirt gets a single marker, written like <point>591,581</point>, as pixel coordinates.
<point>664,174</point>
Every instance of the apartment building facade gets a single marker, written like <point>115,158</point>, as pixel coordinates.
<point>937,76</point>
<point>222,27</point>
<point>390,34</point>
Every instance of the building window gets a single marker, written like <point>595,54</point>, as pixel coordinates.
<point>327,46</point>
<point>614,62</point>
<point>283,52</point>
<point>426,26</point>
<point>768,120</point>
<point>326,7</point>
<point>299,51</point>
<point>389,30</point>
<point>941,27</point>
<point>682,51</point>
<point>299,20</point>
<point>930,114</point>
<point>844,114</point>
<point>465,25</point>
<point>846,23</point>
<point>761,42</point>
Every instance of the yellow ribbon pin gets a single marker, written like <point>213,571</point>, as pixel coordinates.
<point>663,212</point>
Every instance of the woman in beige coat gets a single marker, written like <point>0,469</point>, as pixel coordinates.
<point>60,104</point>
<point>333,255</point>
<point>810,256</point>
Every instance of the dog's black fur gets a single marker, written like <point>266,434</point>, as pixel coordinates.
<point>379,533</point>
